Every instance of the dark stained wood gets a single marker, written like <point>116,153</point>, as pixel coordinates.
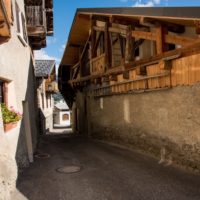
<point>108,47</point>
<point>93,37</point>
<point>113,77</point>
<point>124,20</point>
<point>172,27</point>
<point>129,55</point>
<point>98,28</point>
<point>100,18</point>
<point>126,75</point>
<point>97,43</point>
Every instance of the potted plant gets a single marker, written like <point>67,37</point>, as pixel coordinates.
<point>10,117</point>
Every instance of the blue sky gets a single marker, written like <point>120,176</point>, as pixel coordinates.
<point>64,11</point>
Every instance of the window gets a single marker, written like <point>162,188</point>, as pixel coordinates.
<point>47,97</point>
<point>65,117</point>
<point>3,92</point>
<point>21,27</point>
<point>42,96</point>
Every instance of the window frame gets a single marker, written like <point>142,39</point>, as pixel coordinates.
<point>21,26</point>
<point>4,91</point>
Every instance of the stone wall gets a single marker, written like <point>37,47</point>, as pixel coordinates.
<point>163,123</point>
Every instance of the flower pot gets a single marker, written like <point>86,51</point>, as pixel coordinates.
<point>9,126</point>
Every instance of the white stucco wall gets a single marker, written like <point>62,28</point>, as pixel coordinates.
<point>47,110</point>
<point>17,68</point>
<point>58,118</point>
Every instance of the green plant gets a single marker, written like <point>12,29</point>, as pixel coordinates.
<point>9,115</point>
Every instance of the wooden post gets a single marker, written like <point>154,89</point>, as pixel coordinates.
<point>160,41</point>
<point>129,53</point>
<point>93,37</point>
<point>107,43</point>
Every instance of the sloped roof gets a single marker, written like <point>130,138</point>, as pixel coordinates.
<point>43,68</point>
<point>62,106</point>
<point>82,21</point>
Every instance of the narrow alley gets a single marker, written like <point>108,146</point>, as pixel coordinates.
<point>99,100</point>
<point>107,172</point>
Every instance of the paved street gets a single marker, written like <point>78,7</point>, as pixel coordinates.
<point>107,173</point>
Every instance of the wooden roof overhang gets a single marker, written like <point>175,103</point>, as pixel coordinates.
<point>187,16</point>
<point>5,20</point>
<point>175,20</point>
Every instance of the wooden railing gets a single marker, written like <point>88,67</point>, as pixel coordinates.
<point>34,16</point>
<point>98,65</point>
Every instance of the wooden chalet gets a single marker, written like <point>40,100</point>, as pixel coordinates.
<point>112,51</point>
<point>39,17</point>
<point>5,20</point>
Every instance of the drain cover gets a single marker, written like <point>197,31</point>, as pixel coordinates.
<point>42,155</point>
<point>69,169</point>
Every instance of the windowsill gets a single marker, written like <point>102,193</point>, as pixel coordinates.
<point>9,127</point>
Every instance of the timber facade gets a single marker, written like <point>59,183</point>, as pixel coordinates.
<point>131,76</point>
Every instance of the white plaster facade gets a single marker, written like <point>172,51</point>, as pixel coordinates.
<point>16,67</point>
<point>46,105</point>
<point>62,114</point>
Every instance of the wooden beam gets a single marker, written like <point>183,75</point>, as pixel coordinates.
<point>170,55</point>
<point>122,48</point>
<point>172,27</point>
<point>170,39</point>
<point>99,28</point>
<point>129,53</point>
<point>107,43</point>
<point>144,35</point>
<point>85,47</point>
<point>181,40</point>
<point>160,39</point>
<point>97,42</point>
<point>124,20</point>
<point>118,30</point>
<point>100,18</point>
<point>111,49</point>
<point>93,37</point>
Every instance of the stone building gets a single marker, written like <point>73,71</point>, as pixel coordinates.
<point>20,34</point>
<point>45,72</point>
<point>131,76</point>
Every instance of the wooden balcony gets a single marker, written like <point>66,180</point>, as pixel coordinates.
<point>35,20</point>
<point>98,65</point>
<point>51,87</point>
<point>5,20</point>
<point>39,17</point>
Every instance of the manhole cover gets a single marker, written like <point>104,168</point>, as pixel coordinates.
<point>69,169</point>
<point>42,155</point>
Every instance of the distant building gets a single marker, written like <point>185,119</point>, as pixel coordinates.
<point>45,72</point>
<point>62,114</point>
